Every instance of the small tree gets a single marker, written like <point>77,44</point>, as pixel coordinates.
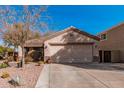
<point>17,36</point>
<point>19,26</point>
<point>22,35</point>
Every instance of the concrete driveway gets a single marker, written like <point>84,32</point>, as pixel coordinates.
<point>82,76</point>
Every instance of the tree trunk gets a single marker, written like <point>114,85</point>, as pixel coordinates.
<point>14,53</point>
<point>6,53</point>
<point>23,57</point>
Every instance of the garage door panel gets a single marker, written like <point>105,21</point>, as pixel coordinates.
<point>72,53</point>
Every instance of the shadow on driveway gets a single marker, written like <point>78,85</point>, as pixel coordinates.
<point>98,66</point>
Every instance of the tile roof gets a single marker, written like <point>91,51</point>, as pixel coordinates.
<point>74,29</point>
<point>112,28</point>
<point>39,42</point>
<point>34,43</point>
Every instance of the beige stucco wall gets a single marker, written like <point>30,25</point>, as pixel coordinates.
<point>114,41</point>
<point>72,53</point>
<point>84,51</point>
<point>115,56</point>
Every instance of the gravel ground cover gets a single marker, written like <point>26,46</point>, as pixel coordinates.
<point>28,75</point>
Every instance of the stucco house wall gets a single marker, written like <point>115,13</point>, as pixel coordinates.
<point>114,41</point>
<point>63,38</point>
<point>69,45</point>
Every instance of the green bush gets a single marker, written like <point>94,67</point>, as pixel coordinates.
<point>3,65</point>
<point>3,49</point>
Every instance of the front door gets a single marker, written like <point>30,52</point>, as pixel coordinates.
<point>107,56</point>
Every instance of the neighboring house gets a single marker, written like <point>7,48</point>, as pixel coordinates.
<point>67,46</point>
<point>111,44</point>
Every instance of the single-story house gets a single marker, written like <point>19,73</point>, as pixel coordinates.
<point>111,45</point>
<point>67,46</point>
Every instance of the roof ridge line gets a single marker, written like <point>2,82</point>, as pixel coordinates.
<point>111,28</point>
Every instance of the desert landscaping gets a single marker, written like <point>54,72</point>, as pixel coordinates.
<point>26,76</point>
<point>37,53</point>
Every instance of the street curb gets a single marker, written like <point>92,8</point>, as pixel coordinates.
<point>43,80</point>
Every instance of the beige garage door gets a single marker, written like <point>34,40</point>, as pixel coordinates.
<point>72,53</point>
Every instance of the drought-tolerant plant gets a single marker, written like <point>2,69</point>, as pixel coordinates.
<point>5,75</point>
<point>10,58</point>
<point>13,82</point>
<point>16,81</point>
<point>40,62</point>
<point>3,65</point>
<point>28,59</point>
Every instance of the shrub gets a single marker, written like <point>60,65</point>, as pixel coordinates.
<point>13,82</point>
<point>6,62</point>
<point>5,75</point>
<point>10,58</point>
<point>3,65</point>
<point>40,62</point>
<point>16,81</point>
<point>28,59</point>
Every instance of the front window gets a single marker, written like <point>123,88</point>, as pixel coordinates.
<point>103,37</point>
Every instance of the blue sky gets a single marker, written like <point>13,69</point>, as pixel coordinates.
<point>92,19</point>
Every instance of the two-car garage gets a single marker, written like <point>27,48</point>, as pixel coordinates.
<point>72,53</point>
<point>71,46</point>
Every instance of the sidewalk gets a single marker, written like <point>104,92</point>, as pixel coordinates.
<point>43,81</point>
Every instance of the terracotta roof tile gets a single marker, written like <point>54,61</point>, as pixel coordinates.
<point>112,28</point>
<point>34,43</point>
<point>39,42</point>
<point>74,29</point>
